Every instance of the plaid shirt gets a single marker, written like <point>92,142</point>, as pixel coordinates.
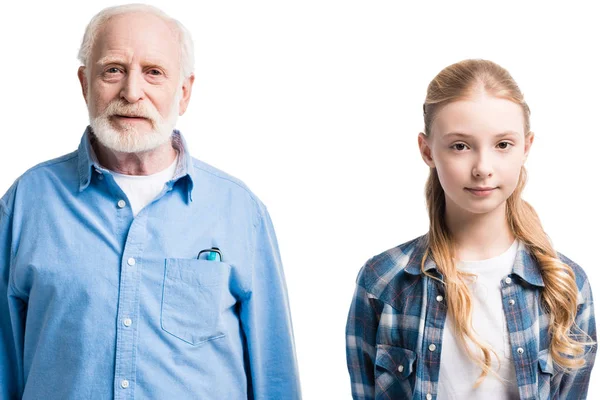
<point>396,322</point>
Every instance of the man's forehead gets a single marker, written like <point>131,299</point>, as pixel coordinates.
<point>136,35</point>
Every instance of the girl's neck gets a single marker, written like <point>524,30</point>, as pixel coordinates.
<point>478,236</point>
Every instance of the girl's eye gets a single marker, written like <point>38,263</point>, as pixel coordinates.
<point>504,145</point>
<point>459,146</point>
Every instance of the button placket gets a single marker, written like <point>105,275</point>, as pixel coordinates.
<point>129,284</point>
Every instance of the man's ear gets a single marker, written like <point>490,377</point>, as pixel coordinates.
<point>186,88</point>
<point>425,149</point>
<point>83,81</point>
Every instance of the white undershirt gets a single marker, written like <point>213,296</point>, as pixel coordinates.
<point>457,372</point>
<point>142,189</point>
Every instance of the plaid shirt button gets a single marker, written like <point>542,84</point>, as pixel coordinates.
<point>432,347</point>
<point>429,396</point>
<point>400,368</point>
<point>439,298</point>
<point>520,350</point>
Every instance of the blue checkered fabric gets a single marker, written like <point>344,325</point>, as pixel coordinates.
<point>396,322</point>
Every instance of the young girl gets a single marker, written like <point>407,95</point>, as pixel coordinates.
<point>482,306</point>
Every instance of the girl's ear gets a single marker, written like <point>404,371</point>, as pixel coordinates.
<point>528,142</point>
<point>425,149</point>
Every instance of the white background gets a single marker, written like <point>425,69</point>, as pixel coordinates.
<point>316,105</point>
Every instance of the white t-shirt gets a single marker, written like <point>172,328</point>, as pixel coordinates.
<point>142,189</point>
<point>458,373</point>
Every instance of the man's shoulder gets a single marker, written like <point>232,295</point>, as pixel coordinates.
<point>393,269</point>
<point>224,181</point>
<point>49,166</point>
<point>35,179</point>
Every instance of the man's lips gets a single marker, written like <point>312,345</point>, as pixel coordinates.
<point>129,116</point>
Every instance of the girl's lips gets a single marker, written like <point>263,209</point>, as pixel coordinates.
<point>481,192</point>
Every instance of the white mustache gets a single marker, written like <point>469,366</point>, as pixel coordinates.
<point>117,107</point>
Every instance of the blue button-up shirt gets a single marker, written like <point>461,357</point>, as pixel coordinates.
<point>97,304</point>
<point>396,322</point>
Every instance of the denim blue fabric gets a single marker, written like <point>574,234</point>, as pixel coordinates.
<point>396,322</point>
<point>97,304</point>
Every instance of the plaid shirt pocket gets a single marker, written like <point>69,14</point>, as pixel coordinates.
<point>394,367</point>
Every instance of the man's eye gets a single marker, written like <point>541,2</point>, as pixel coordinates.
<point>113,70</point>
<point>155,72</point>
<point>459,146</point>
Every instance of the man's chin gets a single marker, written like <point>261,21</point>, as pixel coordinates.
<point>130,140</point>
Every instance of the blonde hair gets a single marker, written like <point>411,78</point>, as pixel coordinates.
<point>559,295</point>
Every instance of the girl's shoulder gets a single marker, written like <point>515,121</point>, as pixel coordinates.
<point>394,269</point>
<point>580,276</point>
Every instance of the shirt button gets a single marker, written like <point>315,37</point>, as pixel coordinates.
<point>439,298</point>
<point>432,347</point>
<point>429,396</point>
<point>400,368</point>
<point>511,302</point>
<point>520,350</point>
<point>127,322</point>
<point>124,383</point>
<point>121,203</point>
<point>508,280</point>
<point>131,261</point>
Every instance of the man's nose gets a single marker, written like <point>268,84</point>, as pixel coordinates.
<point>132,90</point>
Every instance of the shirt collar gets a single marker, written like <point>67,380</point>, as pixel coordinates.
<point>525,265</point>
<point>87,161</point>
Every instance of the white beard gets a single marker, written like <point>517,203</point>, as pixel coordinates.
<point>127,139</point>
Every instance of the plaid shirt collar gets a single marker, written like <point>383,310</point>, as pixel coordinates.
<point>524,266</point>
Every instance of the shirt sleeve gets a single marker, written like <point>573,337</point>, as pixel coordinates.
<point>361,331</point>
<point>574,385</point>
<point>266,320</point>
<point>12,319</point>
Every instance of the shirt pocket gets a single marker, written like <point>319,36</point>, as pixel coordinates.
<point>545,375</point>
<point>192,299</point>
<point>394,372</point>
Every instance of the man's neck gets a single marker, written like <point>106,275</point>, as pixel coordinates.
<point>145,163</point>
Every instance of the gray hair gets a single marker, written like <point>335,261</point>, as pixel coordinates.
<point>186,52</point>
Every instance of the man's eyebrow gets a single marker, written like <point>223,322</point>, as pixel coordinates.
<point>467,136</point>
<point>110,60</point>
<point>119,60</point>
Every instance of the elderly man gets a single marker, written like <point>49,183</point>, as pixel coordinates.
<point>129,269</point>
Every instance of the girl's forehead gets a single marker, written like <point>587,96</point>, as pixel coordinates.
<point>479,116</point>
